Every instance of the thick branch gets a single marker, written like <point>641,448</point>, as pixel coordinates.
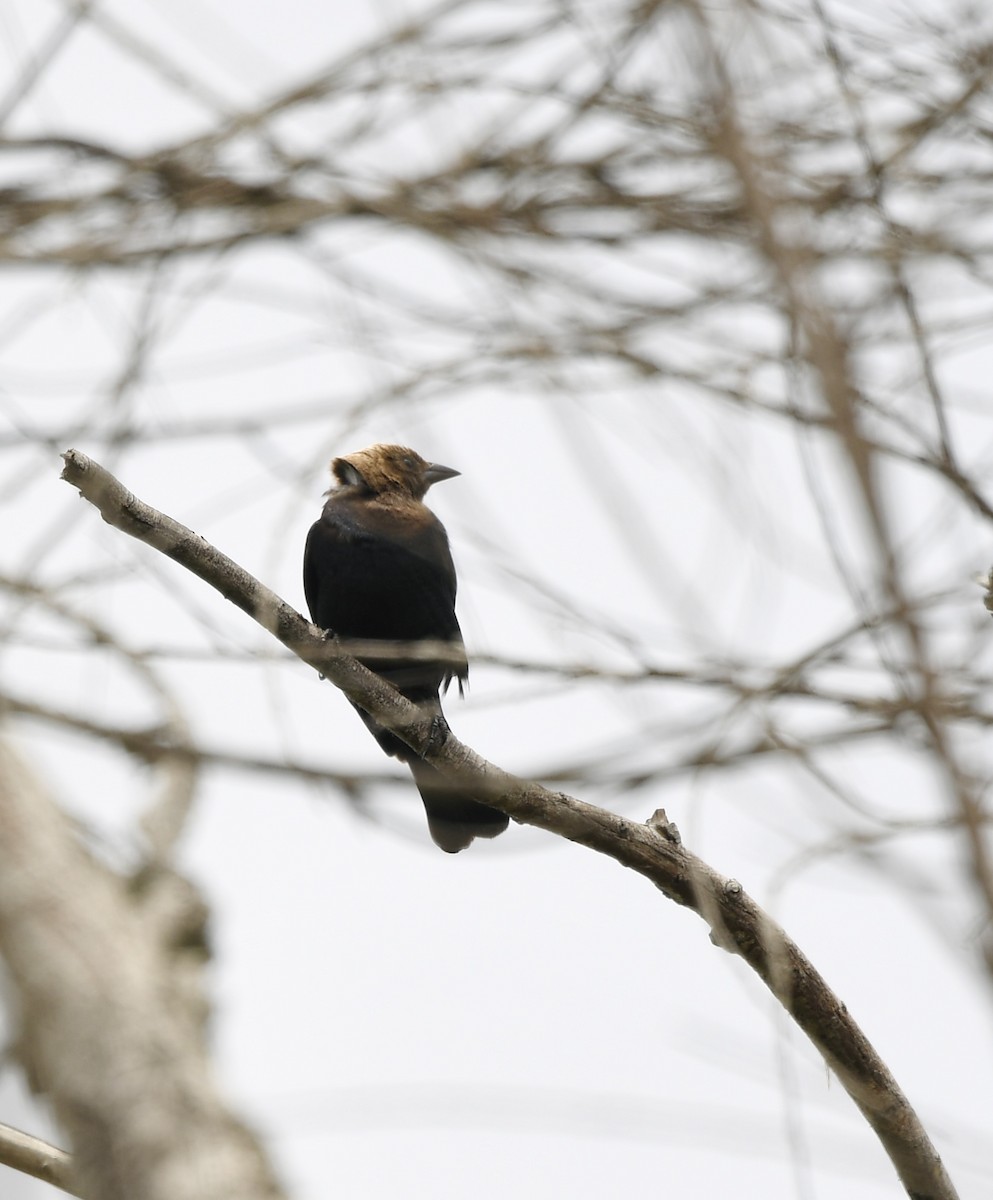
<point>111,1019</point>
<point>31,1156</point>
<point>737,923</point>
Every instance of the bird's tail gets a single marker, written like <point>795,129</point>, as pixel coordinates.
<point>454,819</point>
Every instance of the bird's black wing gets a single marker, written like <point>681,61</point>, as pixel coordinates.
<point>363,584</point>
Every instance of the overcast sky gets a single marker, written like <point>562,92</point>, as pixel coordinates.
<point>525,1018</point>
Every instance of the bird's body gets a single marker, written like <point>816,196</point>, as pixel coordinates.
<point>377,567</point>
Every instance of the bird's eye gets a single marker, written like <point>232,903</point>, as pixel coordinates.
<point>408,461</point>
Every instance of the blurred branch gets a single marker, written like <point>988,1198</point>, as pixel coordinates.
<point>108,977</point>
<point>36,66</point>
<point>821,344</point>
<point>177,777</point>
<point>653,849</point>
<point>154,745</point>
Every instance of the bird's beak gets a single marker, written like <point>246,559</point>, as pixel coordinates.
<point>435,473</point>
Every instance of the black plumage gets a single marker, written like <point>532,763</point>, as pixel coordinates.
<point>377,567</point>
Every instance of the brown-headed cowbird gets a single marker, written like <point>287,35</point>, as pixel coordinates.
<point>377,567</point>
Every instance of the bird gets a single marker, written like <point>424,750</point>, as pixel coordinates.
<point>378,567</point>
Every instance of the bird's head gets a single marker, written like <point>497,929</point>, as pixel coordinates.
<point>383,468</point>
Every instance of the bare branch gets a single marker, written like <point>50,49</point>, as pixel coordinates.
<point>111,1014</point>
<point>653,849</point>
<point>31,1156</point>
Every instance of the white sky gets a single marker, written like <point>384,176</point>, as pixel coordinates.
<point>526,1018</point>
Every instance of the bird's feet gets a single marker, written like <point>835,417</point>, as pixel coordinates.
<point>438,734</point>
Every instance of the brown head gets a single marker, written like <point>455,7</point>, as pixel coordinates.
<point>382,469</point>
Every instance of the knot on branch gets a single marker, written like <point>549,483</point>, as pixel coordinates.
<point>665,828</point>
